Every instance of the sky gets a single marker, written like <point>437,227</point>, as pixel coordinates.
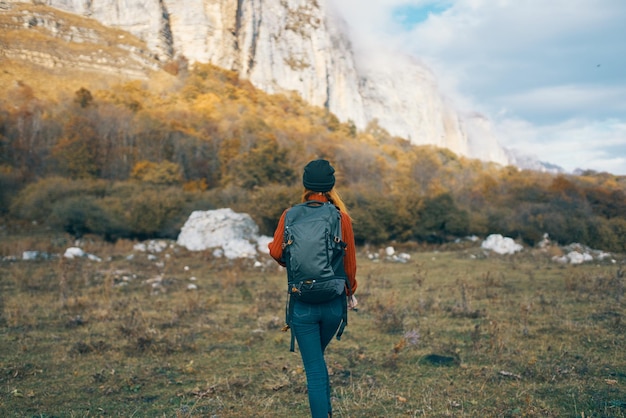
<point>550,75</point>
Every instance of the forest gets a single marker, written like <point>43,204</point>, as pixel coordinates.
<point>132,161</point>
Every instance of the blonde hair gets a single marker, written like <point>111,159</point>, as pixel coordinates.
<point>332,195</point>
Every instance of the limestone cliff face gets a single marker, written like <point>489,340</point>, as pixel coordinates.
<point>302,46</point>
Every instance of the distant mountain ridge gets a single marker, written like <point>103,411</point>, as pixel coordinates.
<point>301,46</point>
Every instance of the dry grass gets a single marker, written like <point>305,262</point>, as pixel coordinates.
<point>447,334</point>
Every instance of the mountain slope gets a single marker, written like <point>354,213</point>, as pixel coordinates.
<point>279,45</point>
<point>302,46</point>
<point>63,42</point>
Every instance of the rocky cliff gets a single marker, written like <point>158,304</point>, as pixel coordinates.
<point>302,46</point>
<point>65,42</point>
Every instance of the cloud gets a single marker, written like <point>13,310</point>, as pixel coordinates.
<point>563,101</point>
<point>542,71</point>
<point>572,144</point>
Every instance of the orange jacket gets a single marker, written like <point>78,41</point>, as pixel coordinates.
<point>347,235</point>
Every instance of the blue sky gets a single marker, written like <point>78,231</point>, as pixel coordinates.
<point>550,75</point>
<point>409,15</point>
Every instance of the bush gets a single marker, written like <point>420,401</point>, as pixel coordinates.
<point>440,217</point>
<point>615,241</point>
<point>268,203</point>
<point>148,211</point>
<point>112,210</point>
<point>372,216</point>
<point>79,215</point>
<point>37,200</point>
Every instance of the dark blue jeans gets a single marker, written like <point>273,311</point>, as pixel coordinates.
<point>314,326</point>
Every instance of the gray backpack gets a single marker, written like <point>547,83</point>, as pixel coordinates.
<point>313,252</point>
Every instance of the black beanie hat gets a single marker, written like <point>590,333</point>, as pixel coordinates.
<point>318,176</point>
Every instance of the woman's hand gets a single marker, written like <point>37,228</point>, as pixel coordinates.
<point>352,303</point>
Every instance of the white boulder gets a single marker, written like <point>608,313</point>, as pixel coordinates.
<point>579,254</point>
<point>229,234</point>
<point>36,255</point>
<point>77,252</point>
<point>501,245</point>
<point>74,252</point>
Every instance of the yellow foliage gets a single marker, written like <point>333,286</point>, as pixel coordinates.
<point>195,185</point>
<point>140,169</point>
<point>205,104</point>
<point>75,158</point>
<point>164,173</point>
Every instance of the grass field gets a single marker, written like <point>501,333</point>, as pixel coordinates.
<point>457,333</point>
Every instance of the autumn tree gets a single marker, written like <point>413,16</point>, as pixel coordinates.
<point>83,97</point>
<point>23,130</point>
<point>440,218</point>
<point>76,153</point>
<point>117,140</point>
<point>606,203</point>
<point>265,163</point>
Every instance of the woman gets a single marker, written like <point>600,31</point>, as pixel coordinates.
<point>314,325</point>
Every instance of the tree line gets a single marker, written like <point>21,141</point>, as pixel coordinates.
<point>132,161</point>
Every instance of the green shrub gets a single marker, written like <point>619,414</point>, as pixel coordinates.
<point>112,210</point>
<point>147,210</point>
<point>615,241</point>
<point>372,216</point>
<point>268,203</point>
<point>37,200</point>
<point>79,215</point>
<point>440,218</point>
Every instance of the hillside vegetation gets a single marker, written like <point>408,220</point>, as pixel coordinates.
<point>127,158</point>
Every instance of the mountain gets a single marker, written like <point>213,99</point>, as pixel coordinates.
<point>67,45</point>
<point>283,46</point>
<point>530,162</point>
